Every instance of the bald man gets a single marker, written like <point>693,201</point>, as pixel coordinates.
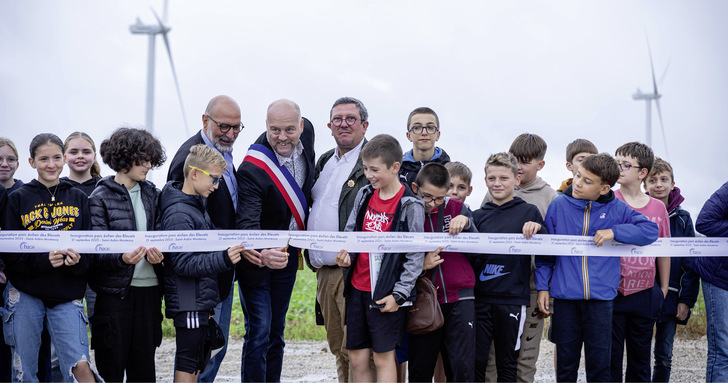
<point>266,276</point>
<point>221,126</point>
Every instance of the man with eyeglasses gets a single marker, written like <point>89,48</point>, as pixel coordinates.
<point>339,176</point>
<point>423,131</point>
<point>220,128</point>
<point>274,189</point>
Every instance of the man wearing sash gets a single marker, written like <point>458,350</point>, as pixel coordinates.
<point>220,128</point>
<point>339,176</point>
<point>274,192</point>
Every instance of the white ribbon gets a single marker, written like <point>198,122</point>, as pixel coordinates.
<point>486,243</point>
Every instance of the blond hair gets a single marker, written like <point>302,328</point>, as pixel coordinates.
<point>506,160</point>
<point>203,157</point>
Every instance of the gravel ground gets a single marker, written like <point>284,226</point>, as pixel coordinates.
<point>309,361</point>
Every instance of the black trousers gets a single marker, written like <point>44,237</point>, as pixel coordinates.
<point>125,333</point>
<point>632,324</point>
<point>455,340</point>
<point>503,325</point>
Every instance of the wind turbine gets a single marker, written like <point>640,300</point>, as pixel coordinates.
<point>648,98</point>
<point>152,30</point>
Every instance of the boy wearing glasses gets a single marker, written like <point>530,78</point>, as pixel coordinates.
<point>191,287</point>
<point>639,299</point>
<point>502,282</point>
<point>423,131</point>
<point>453,276</point>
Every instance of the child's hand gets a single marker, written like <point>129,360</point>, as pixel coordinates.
<point>602,236</point>
<point>56,257</point>
<point>252,256</point>
<point>235,253</point>
<point>154,256</point>
<point>458,223</point>
<point>433,259</point>
<point>72,257</point>
<point>682,311</point>
<point>390,305</point>
<point>543,303</point>
<point>530,228</point>
<point>133,257</point>
<point>343,259</point>
<point>274,258</point>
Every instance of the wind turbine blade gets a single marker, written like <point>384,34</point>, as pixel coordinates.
<point>652,67</point>
<point>664,73</point>
<point>662,127</point>
<point>165,13</point>
<point>174,72</point>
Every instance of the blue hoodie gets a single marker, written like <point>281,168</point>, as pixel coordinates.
<point>564,276</point>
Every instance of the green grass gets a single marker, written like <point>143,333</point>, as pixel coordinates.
<point>300,321</point>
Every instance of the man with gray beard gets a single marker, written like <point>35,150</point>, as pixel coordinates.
<point>220,128</point>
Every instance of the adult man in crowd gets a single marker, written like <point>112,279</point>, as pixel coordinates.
<point>339,176</point>
<point>282,156</point>
<point>220,128</point>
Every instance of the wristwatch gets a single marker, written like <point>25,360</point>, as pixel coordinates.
<point>399,299</point>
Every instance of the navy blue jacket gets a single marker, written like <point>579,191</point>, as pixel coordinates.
<point>713,222</point>
<point>190,279</point>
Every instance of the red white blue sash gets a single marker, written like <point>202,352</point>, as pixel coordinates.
<point>264,158</point>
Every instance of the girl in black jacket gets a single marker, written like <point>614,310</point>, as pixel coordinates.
<point>47,287</point>
<point>127,322</point>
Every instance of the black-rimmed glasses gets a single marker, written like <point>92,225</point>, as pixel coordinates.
<point>337,121</point>
<point>417,129</point>
<point>224,128</point>
<point>626,166</point>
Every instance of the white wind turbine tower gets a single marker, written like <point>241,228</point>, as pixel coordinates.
<point>648,98</point>
<point>152,30</point>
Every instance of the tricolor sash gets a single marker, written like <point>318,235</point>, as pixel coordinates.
<point>264,158</point>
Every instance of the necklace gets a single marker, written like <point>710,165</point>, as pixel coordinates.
<point>53,195</point>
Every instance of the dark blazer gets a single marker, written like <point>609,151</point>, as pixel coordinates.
<point>219,203</point>
<point>261,205</point>
<point>220,206</point>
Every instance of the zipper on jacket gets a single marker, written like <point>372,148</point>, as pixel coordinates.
<point>584,264</point>
<point>442,279</point>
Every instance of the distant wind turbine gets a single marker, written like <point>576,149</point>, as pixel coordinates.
<point>648,98</point>
<point>152,30</point>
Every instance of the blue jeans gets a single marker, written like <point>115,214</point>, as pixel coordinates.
<point>577,322</point>
<point>265,306</point>
<point>222,316</point>
<point>23,319</point>
<point>664,338</point>
<point>716,310</point>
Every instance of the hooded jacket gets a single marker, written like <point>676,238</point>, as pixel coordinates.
<point>684,281</point>
<point>538,193</point>
<point>454,277</point>
<point>410,167</point>
<point>501,278</point>
<point>713,222</point>
<point>399,271</point>
<point>111,209</point>
<point>584,277</point>
<point>87,186</point>
<point>31,208</point>
<point>190,279</point>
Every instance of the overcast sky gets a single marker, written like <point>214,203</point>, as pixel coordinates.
<point>492,70</point>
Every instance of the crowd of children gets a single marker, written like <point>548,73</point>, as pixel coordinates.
<point>494,305</point>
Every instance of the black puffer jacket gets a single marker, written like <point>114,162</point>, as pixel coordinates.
<point>190,279</point>
<point>111,209</point>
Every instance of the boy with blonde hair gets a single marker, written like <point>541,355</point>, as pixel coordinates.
<point>191,287</point>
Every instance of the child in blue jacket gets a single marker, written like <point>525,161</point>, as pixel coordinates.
<point>583,287</point>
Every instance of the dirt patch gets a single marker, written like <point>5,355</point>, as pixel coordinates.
<point>311,362</point>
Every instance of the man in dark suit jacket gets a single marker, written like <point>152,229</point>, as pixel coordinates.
<point>220,128</point>
<point>266,276</point>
